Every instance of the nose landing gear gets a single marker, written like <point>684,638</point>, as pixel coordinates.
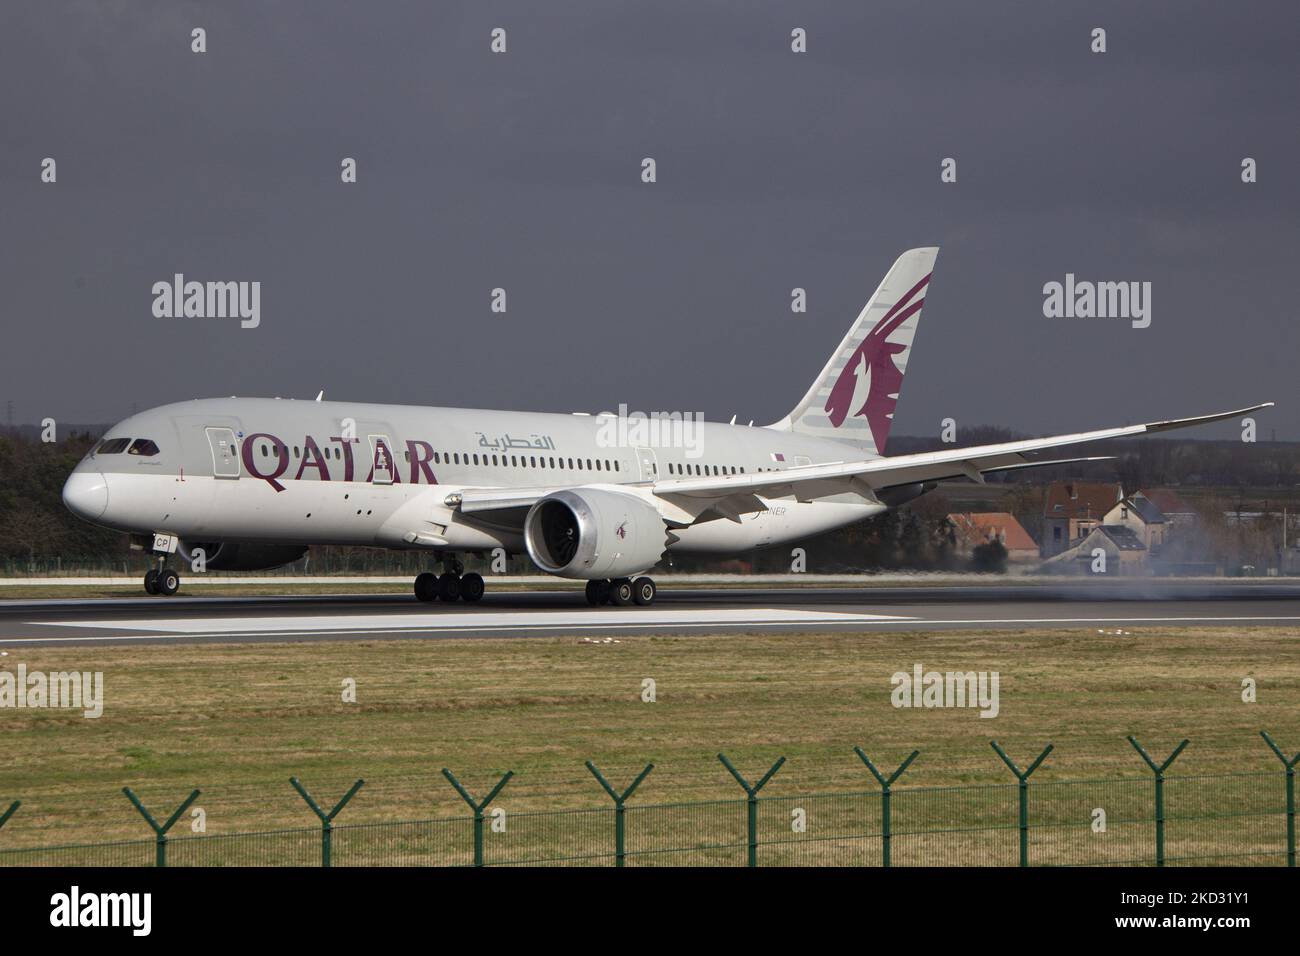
<point>162,579</point>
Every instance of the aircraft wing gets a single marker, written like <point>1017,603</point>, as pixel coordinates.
<point>817,481</point>
<point>731,495</point>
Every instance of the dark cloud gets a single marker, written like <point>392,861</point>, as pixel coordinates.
<point>522,171</point>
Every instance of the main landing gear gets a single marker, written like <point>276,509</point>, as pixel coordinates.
<point>162,579</point>
<point>622,592</point>
<point>452,585</point>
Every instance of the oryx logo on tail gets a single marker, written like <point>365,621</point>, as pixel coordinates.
<point>854,397</point>
<point>870,381</point>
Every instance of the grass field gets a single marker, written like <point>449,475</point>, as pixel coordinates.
<point>237,721</point>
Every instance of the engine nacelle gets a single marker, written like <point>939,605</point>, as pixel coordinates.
<point>224,556</point>
<point>900,494</point>
<point>592,533</point>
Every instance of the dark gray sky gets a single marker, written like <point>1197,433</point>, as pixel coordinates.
<point>775,170</point>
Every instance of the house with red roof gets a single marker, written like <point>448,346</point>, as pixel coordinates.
<point>972,529</point>
<point>1072,510</point>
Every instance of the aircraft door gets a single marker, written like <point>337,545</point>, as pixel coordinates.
<point>648,464</point>
<point>225,452</point>
<point>381,460</point>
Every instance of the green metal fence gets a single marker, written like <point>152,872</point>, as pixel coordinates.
<point>1220,819</point>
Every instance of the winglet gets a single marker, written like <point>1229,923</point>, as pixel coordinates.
<point>1204,419</point>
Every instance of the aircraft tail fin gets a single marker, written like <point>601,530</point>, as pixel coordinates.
<point>853,399</point>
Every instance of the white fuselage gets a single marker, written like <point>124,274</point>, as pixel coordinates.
<point>292,472</point>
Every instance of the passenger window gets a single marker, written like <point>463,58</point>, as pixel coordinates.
<point>142,447</point>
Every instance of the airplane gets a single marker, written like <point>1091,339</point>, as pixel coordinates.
<point>252,483</point>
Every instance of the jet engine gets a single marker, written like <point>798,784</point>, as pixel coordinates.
<point>224,556</point>
<point>593,534</point>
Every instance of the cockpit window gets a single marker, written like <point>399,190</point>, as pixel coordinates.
<point>112,446</point>
<point>144,447</point>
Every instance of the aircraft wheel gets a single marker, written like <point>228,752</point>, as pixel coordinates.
<point>593,592</point>
<point>621,592</point>
<point>151,581</point>
<point>426,587</point>
<point>472,587</point>
<point>169,582</point>
<point>449,586</point>
<point>643,591</point>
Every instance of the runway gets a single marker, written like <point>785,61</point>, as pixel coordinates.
<point>522,614</point>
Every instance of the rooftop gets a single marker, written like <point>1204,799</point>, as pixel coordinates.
<point>1081,499</point>
<point>987,525</point>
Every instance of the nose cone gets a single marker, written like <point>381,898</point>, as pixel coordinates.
<point>86,494</point>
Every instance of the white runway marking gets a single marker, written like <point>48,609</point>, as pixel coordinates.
<point>522,623</point>
<point>433,620</point>
<point>1096,620</point>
